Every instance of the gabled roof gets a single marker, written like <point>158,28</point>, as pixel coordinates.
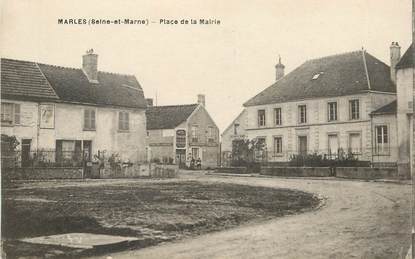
<point>331,76</point>
<point>407,60</point>
<point>168,117</point>
<point>25,80</point>
<point>233,122</point>
<point>68,85</point>
<point>390,108</point>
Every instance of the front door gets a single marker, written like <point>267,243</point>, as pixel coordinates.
<point>181,157</point>
<point>26,152</point>
<point>302,145</point>
<point>86,155</point>
<point>333,146</point>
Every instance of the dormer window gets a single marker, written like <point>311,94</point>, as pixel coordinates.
<point>316,76</point>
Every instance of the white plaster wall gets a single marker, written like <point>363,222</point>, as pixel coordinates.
<point>69,119</point>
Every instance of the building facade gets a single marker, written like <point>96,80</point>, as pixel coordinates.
<point>69,112</point>
<point>180,133</point>
<point>401,110</point>
<point>325,106</point>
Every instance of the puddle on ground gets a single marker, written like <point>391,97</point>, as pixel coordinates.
<point>80,240</point>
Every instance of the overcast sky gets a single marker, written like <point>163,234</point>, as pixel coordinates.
<point>229,63</point>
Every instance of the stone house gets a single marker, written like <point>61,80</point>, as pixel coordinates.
<point>71,111</point>
<point>324,106</point>
<point>399,113</point>
<point>235,131</point>
<point>178,133</point>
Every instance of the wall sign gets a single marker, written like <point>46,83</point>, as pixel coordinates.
<point>47,116</point>
<point>180,138</point>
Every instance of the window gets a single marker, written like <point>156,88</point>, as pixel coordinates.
<point>382,139</point>
<point>355,143</point>
<point>261,118</point>
<point>195,153</point>
<point>89,119</point>
<point>123,121</point>
<point>194,132</point>
<point>302,114</point>
<point>332,111</point>
<point>278,119</point>
<point>354,109</point>
<point>277,145</point>
<point>211,134</point>
<point>10,113</point>
<point>235,128</point>
<point>68,151</point>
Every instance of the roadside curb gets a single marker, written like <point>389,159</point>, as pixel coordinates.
<point>401,182</point>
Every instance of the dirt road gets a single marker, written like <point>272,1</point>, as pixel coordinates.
<point>358,220</point>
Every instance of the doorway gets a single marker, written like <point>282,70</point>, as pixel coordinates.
<point>333,145</point>
<point>86,159</point>
<point>181,157</point>
<point>26,143</point>
<point>302,145</point>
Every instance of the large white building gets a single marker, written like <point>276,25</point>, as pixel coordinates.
<point>67,112</point>
<point>330,105</point>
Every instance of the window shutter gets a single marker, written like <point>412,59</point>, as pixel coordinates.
<point>78,150</point>
<point>16,113</point>
<point>127,121</point>
<point>120,120</point>
<point>58,151</point>
<point>92,119</point>
<point>86,119</point>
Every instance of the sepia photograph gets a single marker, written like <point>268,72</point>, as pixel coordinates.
<point>207,129</point>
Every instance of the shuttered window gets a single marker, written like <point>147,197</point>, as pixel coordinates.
<point>123,121</point>
<point>89,119</point>
<point>10,113</point>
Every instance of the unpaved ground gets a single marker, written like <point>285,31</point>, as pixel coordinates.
<point>151,210</point>
<point>358,220</point>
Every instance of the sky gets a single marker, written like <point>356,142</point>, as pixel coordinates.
<point>229,63</point>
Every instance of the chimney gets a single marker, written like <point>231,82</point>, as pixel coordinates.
<point>395,52</point>
<point>279,69</point>
<point>90,65</point>
<point>149,102</point>
<point>201,99</point>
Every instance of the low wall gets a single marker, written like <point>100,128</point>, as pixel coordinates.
<point>296,171</point>
<point>141,171</point>
<point>367,173</point>
<point>35,173</point>
<point>231,170</point>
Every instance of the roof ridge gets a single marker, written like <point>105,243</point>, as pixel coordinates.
<point>58,66</point>
<point>173,105</point>
<point>334,55</point>
<point>66,67</point>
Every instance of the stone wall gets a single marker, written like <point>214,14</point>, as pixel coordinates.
<point>33,173</point>
<point>368,173</point>
<point>231,170</point>
<point>140,171</point>
<point>297,171</point>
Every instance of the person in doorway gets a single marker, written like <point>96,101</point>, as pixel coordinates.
<point>199,163</point>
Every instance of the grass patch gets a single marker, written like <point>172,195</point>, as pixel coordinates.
<point>157,209</point>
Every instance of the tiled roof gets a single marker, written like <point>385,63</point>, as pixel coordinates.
<point>390,108</point>
<point>72,85</point>
<point>407,60</point>
<point>25,80</point>
<point>336,75</point>
<point>168,117</point>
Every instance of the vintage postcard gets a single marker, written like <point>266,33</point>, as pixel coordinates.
<point>207,129</point>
